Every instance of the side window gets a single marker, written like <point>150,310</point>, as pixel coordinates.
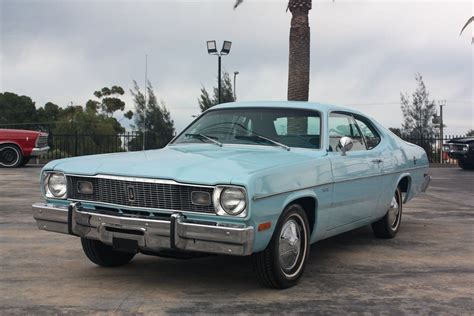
<point>281,126</point>
<point>372,138</point>
<point>341,125</point>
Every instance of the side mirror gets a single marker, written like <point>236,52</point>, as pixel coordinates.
<point>345,143</point>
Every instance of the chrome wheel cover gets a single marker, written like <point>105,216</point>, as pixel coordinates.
<point>8,156</point>
<point>289,245</point>
<point>394,212</point>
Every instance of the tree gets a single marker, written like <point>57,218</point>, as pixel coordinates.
<point>396,131</point>
<point>109,100</point>
<point>298,59</point>
<point>299,49</point>
<point>15,109</point>
<point>206,102</point>
<point>48,115</point>
<point>470,132</point>
<point>152,117</point>
<point>418,111</point>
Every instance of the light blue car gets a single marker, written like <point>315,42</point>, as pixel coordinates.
<point>265,179</point>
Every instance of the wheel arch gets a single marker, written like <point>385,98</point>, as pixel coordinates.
<point>13,144</point>
<point>404,182</point>
<point>309,202</point>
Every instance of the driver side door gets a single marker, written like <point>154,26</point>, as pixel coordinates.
<point>356,185</point>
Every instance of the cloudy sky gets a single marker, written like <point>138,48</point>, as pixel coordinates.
<point>363,53</point>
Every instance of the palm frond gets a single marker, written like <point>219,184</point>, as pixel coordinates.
<point>237,3</point>
<point>465,25</point>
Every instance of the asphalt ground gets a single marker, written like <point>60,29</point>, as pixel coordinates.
<point>427,269</point>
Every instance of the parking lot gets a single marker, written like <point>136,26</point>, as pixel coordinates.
<point>428,268</point>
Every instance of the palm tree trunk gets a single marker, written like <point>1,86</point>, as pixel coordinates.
<point>299,59</point>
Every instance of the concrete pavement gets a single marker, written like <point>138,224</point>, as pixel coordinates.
<point>427,268</point>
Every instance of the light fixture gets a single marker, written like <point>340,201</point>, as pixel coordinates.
<point>226,47</point>
<point>212,47</point>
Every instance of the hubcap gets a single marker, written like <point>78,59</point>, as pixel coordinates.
<point>8,156</point>
<point>290,245</point>
<point>394,212</point>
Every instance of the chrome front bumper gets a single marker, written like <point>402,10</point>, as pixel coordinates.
<point>149,234</point>
<point>39,151</point>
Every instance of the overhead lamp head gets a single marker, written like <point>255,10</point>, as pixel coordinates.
<point>211,47</point>
<point>226,47</point>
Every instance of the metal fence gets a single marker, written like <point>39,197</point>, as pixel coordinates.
<point>433,146</point>
<point>71,145</point>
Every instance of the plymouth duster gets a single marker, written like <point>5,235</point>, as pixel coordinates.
<point>260,179</point>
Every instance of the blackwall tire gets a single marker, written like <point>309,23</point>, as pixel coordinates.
<point>104,255</point>
<point>388,226</point>
<point>465,165</point>
<point>10,156</point>
<point>282,263</point>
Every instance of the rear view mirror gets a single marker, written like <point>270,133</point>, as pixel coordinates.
<point>345,144</point>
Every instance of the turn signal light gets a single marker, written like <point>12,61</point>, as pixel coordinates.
<point>264,226</point>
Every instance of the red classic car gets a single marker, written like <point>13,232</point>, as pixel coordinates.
<point>18,146</point>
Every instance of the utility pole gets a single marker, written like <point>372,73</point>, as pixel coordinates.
<point>441,134</point>
<point>144,109</point>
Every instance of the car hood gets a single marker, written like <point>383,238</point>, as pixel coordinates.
<point>202,163</point>
<point>461,140</point>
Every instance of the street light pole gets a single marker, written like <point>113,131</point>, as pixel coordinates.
<point>441,131</point>
<point>225,50</point>
<point>219,83</point>
<point>144,109</point>
<point>235,90</point>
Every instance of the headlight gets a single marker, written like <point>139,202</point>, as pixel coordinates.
<point>230,200</point>
<point>55,185</point>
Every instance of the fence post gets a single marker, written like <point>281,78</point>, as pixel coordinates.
<point>75,144</point>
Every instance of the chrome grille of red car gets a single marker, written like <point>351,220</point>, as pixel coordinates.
<point>42,141</point>
<point>138,194</point>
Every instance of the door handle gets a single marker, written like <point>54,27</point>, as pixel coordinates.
<point>377,161</point>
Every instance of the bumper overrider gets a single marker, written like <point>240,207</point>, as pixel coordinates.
<point>145,234</point>
<point>426,183</point>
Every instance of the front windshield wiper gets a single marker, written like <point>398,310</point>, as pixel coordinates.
<point>288,148</point>
<point>205,137</point>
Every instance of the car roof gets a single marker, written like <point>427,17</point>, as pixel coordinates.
<point>323,107</point>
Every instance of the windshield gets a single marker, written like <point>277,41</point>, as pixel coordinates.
<point>256,126</point>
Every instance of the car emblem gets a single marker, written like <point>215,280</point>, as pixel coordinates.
<point>131,193</point>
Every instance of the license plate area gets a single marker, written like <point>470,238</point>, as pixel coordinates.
<point>126,245</point>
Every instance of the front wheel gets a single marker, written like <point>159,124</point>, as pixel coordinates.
<point>388,226</point>
<point>104,255</point>
<point>282,263</point>
<point>10,156</point>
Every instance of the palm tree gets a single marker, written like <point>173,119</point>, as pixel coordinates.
<point>298,63</point>
<point>298,59</point>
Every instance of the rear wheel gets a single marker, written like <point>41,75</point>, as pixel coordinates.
<point>104,255</point>
<point>282,263</point>
<point>10,156</point>
<point>388,226</point>
<point>465,165</point>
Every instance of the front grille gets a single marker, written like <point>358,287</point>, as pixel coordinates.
<point>457,147</point>
<point>145,195</point>
<point>42,141</point>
